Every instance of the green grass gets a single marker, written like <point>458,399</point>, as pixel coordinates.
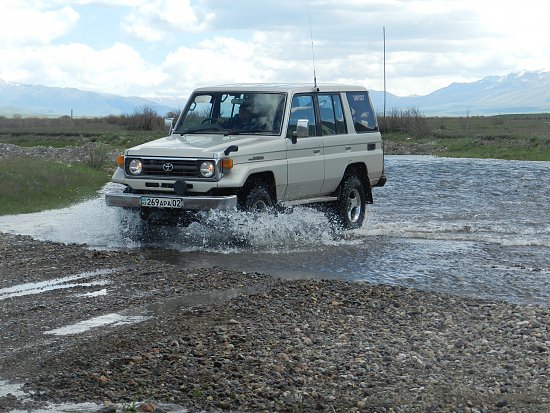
<point>522,137</point>
<point>32,185</point>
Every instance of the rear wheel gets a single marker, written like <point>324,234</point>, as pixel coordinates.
<point>351,204</point>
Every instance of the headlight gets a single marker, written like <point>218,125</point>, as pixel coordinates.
<point>207,169</point>
<point>135,166</point>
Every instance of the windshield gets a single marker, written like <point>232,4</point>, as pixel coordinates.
<point>233,113</point>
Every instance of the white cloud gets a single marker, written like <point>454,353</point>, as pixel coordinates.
<point>168,47</point>
<point>118,69</point>
<point>30,22</point>
<point>157,19</point>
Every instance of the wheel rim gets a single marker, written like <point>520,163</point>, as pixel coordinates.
<point>354,206</point>
<point>259,205</point>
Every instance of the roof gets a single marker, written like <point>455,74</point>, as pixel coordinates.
<point>281,87</point>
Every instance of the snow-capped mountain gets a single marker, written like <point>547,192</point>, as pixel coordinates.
<point>525,92</point>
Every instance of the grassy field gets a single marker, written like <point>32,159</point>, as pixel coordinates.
<point>29,184</point>
<point>61,132</point>
<point>523,137</point>
<point>33,184</point>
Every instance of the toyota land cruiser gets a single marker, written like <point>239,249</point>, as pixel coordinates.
<point>254,147</point>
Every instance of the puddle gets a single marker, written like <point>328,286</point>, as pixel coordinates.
<point>10,388</point>
<point>139,315</point>
<point>191,300</point>
<point>64,408</point>
<point>55,284</point>
<point>93,408</point>
<point>97,293</point>
<point>14,389</point>
<point>111,320</point>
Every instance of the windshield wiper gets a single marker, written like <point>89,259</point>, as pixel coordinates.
<point>195,130</point>
<point>241,131</point>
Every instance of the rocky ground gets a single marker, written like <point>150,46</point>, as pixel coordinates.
<point>66,154</point>
<point>219,340</point>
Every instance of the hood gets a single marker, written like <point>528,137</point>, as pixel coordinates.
<point>198,145</point>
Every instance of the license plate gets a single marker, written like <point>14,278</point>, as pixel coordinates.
<point>153,202</point>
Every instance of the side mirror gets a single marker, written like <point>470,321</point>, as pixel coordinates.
<point>302,128</point>
<point>169,125</point>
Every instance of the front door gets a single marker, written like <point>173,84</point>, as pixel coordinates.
<point>306,169</point>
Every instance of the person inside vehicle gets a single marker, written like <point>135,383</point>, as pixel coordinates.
<point>246,119</point>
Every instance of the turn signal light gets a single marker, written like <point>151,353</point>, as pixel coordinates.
<point>227,164</point>
<point>120,161</point>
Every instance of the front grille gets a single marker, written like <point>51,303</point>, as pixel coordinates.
<point>169,168</point>
<point>161,167</point>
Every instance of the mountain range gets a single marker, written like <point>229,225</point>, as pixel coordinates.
<point>38,100</point>
<point>525,92</point>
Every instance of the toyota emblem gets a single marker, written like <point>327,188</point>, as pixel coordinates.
<point>167,167</point>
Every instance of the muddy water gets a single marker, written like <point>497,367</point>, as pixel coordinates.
<point>468,227</point>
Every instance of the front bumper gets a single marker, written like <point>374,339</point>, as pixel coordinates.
<point>197,203</point>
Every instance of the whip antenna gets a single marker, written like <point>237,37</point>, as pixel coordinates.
<point>384,35</point>
<point>312,50</point>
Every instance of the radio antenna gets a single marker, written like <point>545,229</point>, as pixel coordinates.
<point>384,35</point>
<point>312,50</point>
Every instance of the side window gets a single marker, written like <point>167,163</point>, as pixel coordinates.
<point>339,114</point>
<point>364,118</point>
<point>332,115</point>
<point>302,108</point>
<point>326,110</point>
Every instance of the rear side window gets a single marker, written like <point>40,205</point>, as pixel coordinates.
<point>332,114</point>
<point>364,118</point>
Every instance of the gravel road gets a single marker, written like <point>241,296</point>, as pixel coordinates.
<point>212,339</point>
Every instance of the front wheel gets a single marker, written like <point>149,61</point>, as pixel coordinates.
<point>351,204</point>
<point>257,199</point>
<point>161,217</point>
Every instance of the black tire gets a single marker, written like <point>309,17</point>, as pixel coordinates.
<point>167,218</point>
<point>351,205</point>
<point>257,199</point>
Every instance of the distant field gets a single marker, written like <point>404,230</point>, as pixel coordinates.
<point>523,137</point>
<point>60,132</point>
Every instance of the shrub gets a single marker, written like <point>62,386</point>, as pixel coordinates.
<point>407,121</point>
<point>97,156</point>
<point>145,118</point>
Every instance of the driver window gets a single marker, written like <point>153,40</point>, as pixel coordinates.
<point>302,108</point>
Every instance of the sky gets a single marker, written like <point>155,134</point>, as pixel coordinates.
<point>167,48</point>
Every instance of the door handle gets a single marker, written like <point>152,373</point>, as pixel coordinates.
<point>316,151</point>
<point>348,148</point>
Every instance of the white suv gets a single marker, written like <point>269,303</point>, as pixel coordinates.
<point>254,147</point>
